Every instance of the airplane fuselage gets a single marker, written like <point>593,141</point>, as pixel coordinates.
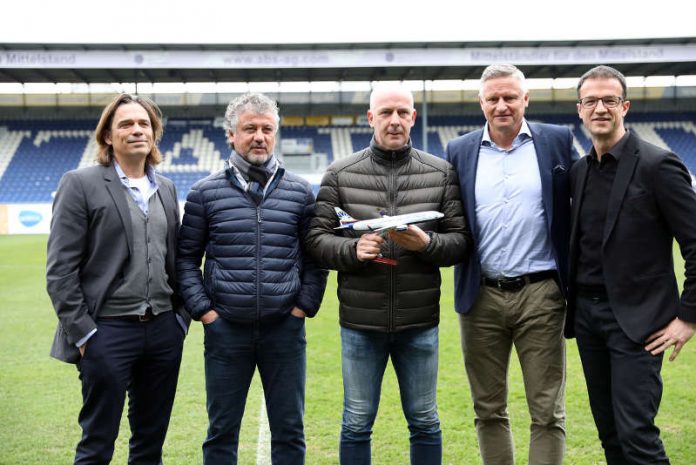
<point>398,222</point>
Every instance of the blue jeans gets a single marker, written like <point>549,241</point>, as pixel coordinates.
<point>232,353</point>
<point>364,358</point>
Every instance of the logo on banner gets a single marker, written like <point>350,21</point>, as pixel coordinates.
<point>30,218</point>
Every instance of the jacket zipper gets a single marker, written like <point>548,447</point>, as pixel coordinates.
<point>258,263</point>
<point>392,272</point>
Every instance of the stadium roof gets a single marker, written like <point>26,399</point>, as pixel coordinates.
<point>92,63</point>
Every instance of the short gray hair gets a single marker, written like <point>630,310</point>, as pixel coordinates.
<point>604,72</point>
<point>500,71</point>
<point>250,102</point>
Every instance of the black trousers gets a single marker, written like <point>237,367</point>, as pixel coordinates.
<point>143,360</point>
<point>623,383</point>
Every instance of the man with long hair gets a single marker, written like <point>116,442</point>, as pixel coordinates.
<point>110,276</point>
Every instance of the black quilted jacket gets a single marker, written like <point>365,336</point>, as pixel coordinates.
<point>374,296</point>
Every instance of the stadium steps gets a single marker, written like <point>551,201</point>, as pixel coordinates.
<point>193,153</point>
<point>9,143</point>
<point>647,132</point>
<point>35,154</point>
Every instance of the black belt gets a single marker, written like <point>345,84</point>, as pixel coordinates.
<point>144,318</point>
<point>517,283</point>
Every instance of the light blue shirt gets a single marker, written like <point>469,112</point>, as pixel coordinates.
<point>510,216</point>
<point>141,198</point>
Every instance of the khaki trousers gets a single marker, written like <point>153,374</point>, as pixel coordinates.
<point>532,319</point>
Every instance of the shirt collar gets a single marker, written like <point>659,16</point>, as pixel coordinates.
<point>523,134</point>
<point>149,172</point>
<point>389,155</point>
<point>615,151</point>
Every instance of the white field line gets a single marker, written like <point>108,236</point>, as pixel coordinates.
<point>263,444</point>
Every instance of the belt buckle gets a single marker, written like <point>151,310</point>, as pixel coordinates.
<point>512,284</point>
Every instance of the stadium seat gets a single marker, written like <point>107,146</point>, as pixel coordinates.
<point>34,154</point>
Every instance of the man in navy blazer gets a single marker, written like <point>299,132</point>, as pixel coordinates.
<point>631,200</point>
<point>514,184</point>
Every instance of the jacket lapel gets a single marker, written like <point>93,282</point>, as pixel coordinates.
<point>578,190</point>
<point>471,153</point>
<point>544,160</point>
<point>624,174</point>
<point>115,189</point>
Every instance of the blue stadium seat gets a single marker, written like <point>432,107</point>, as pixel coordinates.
<point>34,154</point>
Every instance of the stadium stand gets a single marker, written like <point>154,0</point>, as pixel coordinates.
<point>34,154</point>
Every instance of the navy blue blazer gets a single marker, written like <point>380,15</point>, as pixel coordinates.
<point>555,154</point>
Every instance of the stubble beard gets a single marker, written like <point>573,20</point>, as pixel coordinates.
<point>257,160</point>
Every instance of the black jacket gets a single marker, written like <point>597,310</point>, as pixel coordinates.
<point>651,204</point>
<point>375,296</point>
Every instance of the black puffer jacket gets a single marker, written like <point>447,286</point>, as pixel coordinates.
<point>374,296</point>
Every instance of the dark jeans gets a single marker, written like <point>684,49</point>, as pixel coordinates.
<point>139,358</point>
<point>624,386</point>
<point>232,352</point>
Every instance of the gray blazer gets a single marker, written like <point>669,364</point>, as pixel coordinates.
<point>91,240</point>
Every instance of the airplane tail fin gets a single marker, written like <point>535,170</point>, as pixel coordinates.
<point>344,219</point>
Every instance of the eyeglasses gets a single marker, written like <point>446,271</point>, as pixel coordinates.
<point>610,101</point>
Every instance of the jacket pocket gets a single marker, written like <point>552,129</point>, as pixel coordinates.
<point>209,282</point>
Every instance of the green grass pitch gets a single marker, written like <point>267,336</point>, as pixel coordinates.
<point>40,397</point>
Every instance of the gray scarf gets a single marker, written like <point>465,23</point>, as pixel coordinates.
<point>254,173</point>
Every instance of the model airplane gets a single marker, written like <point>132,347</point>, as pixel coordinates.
<point>385,223</point>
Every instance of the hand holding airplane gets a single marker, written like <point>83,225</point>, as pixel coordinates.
<point>368,247</point>
<point>413,238</point>
<point>399,228</point>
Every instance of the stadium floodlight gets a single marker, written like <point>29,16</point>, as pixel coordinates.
<point>325,86</point>
<point>413,86</point>
<point>294,87</point>
<point>41,88</point>
<point>112,88</point>
<point>686,80</point>
<point>539,83</point>
<point>448,84</point>
<point>276,87</point>
<point>264,87</point>
<point>201,87</point>
<point>355,86</point>
<point>660,81</point>
<point>11,88</point>
<point>635,81</point>
<point>565,83</point>
<point>232,87</point>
